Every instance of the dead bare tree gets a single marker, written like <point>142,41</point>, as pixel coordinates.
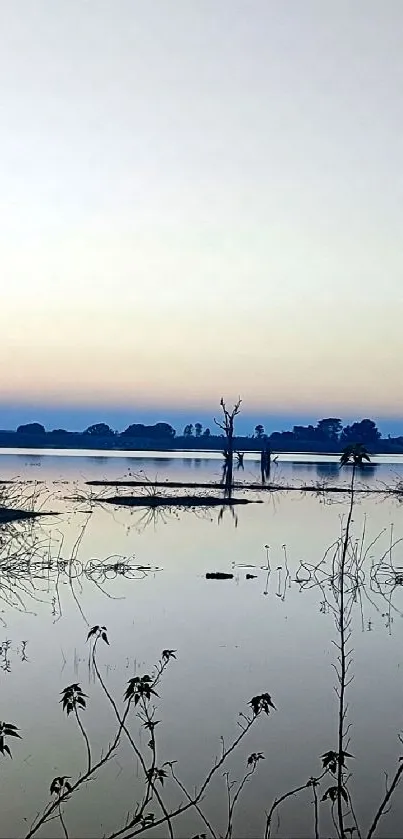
<point>227,426</point>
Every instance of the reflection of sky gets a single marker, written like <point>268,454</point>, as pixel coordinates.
<point>202,200</point>
<point>232,642</point>
<point>297,468</point>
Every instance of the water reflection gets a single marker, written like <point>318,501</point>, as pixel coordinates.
<point>33,569</point>
<point>8,650</point>
<point>380,574</point>
<point>269,628</point>
<point>328,470</point>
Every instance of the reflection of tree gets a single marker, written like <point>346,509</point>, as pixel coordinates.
<point>144,517</point>
<point>33,567</point>
<point>326,469</point>
<point>22,544</point>
<point>155,511</point>
<point>7,648</point>
<point>231,511</point>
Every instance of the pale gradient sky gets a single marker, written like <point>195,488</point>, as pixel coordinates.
<point>202,197</point>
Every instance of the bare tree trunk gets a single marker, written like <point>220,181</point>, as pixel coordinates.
<point>227,426</point>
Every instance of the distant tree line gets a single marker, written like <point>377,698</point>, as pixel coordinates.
<point>100,430</point>
<point>327,431</point>
<point>331,430</point>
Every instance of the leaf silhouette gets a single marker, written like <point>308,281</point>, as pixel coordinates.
<point>7,729</point>
<point>93,631</point>
<point>157,775</point>
<point>139,688</point>
<point>332,793</point>
<point>167,654</point>
<point>354,453</point>
<point>59,785</point>
<point>262,702</point>
<point>330,760</point>
<point>254,758</point>
<point>11,733</point>
<point>150,724</point>
<point>73,696</point>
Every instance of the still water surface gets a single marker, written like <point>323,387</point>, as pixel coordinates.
<point>234,639</point>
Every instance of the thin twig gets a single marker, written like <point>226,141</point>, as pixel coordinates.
<point>385,801</point>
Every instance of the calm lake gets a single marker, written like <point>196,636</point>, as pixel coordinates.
<point>269,628</point>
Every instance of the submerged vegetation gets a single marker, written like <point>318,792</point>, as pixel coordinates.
<point>20,501</point>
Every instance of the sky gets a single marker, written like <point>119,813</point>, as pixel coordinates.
<point>201,199</point>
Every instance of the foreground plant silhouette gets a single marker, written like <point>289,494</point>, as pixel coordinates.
<point>354,454</point>
<point>340,590</point>
<point>139,697</point>
<point>7,729</point>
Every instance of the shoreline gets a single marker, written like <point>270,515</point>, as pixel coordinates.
<point>148,448</point>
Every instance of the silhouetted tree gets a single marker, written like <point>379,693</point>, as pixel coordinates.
<point>329,429</point>
<point>31,428</point>
<point>163,430</point>
<point>227,426</point>
<point>99,429</point>
<point>259,431</point>
<point>198,429</point>
<point>188,430</point>
<point>364,432</point>
<point>280,436</point>
<point>159,431</point>
<point>136,429</point>
<point>304,432</point>
<point>206,432</point>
